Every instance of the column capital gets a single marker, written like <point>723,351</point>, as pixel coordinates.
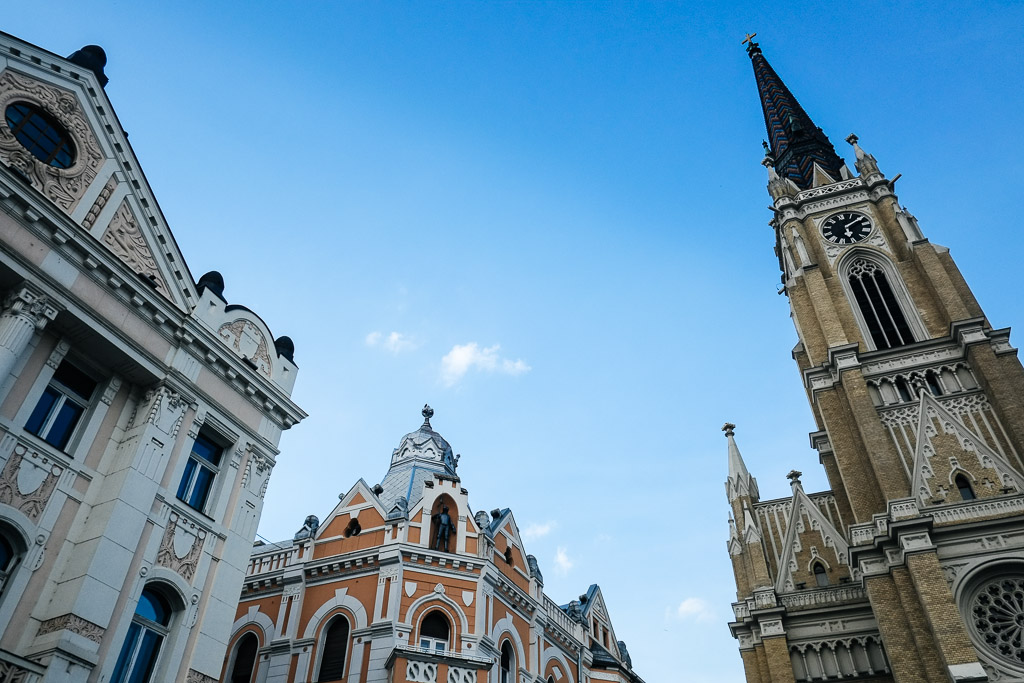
<point>28,301</point>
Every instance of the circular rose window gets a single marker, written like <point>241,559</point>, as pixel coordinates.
<point>37,132</point>
<point>997,617</point>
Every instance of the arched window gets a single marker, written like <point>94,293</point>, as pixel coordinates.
<point>878,305</point>
<point>964,486</point>
<point>508,664</point>
<point>245,659</point>
<point>146,634</point>
<point>11,550</point>
<point>508,555</point>
<point>820,575</point>
<point>335,646</point>
<point>434,632</point>
<point>934,386</point>
<point>903,387</point>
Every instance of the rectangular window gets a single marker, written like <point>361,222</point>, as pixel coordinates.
<point>61,406</point>
<point>200,471</point>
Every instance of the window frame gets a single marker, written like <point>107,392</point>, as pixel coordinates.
<point>65,395</point>
<point>195,465</point>
<point>432,640</point>
<point>146,625</point>
<point>507,675</point>
<point>322,646</point>
<point>65,139</point>
<point>236,651</point>
<point>899,291</point>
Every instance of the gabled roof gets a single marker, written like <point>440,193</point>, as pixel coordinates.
<point>831,538</point>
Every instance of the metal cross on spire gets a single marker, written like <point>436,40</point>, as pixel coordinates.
<point>749,38</point>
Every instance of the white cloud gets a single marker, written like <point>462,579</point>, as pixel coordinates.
<point>562,562</point>
<point>696,609</point>
<point>465,357</point>
<point>535,531</point>
<point>395,342</point>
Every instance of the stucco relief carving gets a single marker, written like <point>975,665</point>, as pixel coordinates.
<point>248,341</point>
<point>126,241</point>
<point>100,203</point>
<point>196,677</point>
<point>74,624</point>
<point>164,409</point>
<point>257,472</point>
<point>63,186</point>
<point>28,480</point>
<point>181,546</point>
<point>12,673</point>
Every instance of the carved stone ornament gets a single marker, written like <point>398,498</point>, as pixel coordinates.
<point>100,203</point>
<point>75,624</point>
<point>63,186</point>
<point>124,238</point>
<point>165,409</point>
<point>181,546</point>
<point>248,341</point>
<point>28,480</point>
<point>196,677</point>
<point>9,671</point>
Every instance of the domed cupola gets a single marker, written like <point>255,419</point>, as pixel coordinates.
<point>420,457</point>
<point>425,446</point>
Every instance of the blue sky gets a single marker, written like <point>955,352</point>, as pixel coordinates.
<point>565,201</point>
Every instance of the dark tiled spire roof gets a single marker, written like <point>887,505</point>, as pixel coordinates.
<point>796,144</point>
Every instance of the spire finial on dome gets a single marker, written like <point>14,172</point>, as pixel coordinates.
<point>728,428</point>
<point>427,413</point>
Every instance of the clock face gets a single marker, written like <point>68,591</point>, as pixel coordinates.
<point>846,228</point>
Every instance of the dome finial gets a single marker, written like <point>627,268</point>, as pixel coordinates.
<point>427,413</point>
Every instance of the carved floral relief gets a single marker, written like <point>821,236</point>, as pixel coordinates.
<point>74,624</point>
<point>28,480</point>
<point>63,186</point>
<point>124,238</point>
<point>248,341</point>
<point>181,546</point>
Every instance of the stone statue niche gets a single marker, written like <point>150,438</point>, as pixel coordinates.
<point>443,522</point>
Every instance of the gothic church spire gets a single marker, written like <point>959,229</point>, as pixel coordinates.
<point>796,144</point>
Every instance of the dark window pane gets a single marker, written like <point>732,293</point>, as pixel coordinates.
<point>332,664</point>
<point>75,380</point>
<point>964,486</point>
<point>39,134</point>
<point>435,626</point>
<point>42,410</point>
<point>245,659</point>
<point>146,659</point>
<point>6,554</point>
<point>207,450</point>
<point>153,607</point>
<point>127,650</point>
<point>186,478</point>
<point>204,479</point>
<point>64,424</point>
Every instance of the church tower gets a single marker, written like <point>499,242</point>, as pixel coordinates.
<point>912,567</point>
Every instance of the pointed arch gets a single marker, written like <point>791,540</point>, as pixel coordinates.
<point>881,304</point>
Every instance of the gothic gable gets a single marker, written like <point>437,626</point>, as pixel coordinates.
<point>946,448</point>
<point>810,538</point>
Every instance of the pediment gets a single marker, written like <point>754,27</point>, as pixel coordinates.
<point>357,498</point>
<point>952,447</point>
<point>103,191</point>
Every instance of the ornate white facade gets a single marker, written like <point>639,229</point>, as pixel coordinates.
<point>140,413</point>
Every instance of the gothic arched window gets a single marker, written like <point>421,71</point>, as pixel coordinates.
<point>245,659</point>
<point>879,308</point>
<point>146,634</point>
<point>434,632</point>
<point>820,575</point>
<point>508,661</point>
<point>335,647</point>
<point>964,486</point>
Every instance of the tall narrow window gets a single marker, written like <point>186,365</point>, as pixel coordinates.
<point>332,663</point>
<point>8,559</point>
<point>878,305</point>
<point>507,664</point>
<point>934,386</point>
<point>964,486</point>
<point>146,634</point>
<point>61,406</point>
<point>434,632</point>
<point>200,471</point>
<point>820,575</point>
<point>245,659</point>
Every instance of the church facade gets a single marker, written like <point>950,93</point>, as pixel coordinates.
<point>402,582</point>
<point>140,413</point>
<point>911,568</point>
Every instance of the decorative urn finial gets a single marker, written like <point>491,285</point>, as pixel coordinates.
<point>427,413</point>
<point>728,428</point>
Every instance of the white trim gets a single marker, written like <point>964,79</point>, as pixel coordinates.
<point>501,627</point>
<point>441,597</point>
<point>553,653</point>
<point>320,646</point>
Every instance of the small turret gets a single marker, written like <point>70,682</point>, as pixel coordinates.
<point>739,483</point>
